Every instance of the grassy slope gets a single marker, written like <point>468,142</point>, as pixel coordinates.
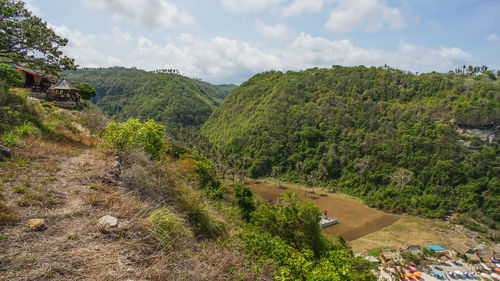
<point>59,174</point>
<point>171,99</point>
<point>382,135</point>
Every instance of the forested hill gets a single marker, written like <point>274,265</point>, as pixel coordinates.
<point>389,137</point>
<point>169,98</point>
<point>227,88</point>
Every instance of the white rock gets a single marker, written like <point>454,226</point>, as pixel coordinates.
<point>108,222</point>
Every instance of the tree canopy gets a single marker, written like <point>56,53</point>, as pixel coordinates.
<point>169,98</point>
<point>26,39</point>
<point>86,90</point>
<point>390,137</point>
<point>9,77</point>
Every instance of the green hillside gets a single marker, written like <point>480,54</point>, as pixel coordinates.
<point>169,98</point>
<point>384,135</point>
<point>227,88</point>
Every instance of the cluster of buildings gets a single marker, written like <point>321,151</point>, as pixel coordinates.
<point>479,256</point>
<point>48,87</point>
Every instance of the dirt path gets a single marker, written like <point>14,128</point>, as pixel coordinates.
<point>63,184</point>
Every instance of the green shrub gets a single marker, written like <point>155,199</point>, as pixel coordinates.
<point>169,228</point>
<point>410,257</point>
<point>204,223</point>
<point>12,137</point>
<point>134,134</point>
<point>9,76</point>
<point>267,245</point>
<point>293,221</point>
<point>244,200</point>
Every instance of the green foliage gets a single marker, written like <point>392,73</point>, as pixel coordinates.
<point>244,200</point>
<point>169,228</point>
<point>337,263</point>
<point>379,134</point>
<point>410,257</point>
<point>205,224</point>
<point>169,98</point>
<point>11,138</point>
<point>86,90</point>
<point>227,88</point>
<point>9,76</point>
<point>293,221</point>
<point>134,134</point>
<point>28,40</point>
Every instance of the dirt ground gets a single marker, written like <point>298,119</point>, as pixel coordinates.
<point>61,184</point>
<point>355,219</point>
<point>367,228</point>
<point>69,185</point>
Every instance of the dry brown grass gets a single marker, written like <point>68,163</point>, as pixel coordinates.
<point>73,247</point>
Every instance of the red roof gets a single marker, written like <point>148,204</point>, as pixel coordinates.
<point>28,71</point>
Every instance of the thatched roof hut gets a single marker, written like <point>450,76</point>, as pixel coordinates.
<point>65,85</point>
<point>472,258</point>
<point>414,249</point>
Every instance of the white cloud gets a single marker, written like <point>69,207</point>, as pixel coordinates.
<point>83,48</point>
<point>224,60</point>
<point>153,14</point>
<point>278,32</point>
<point>492,38</point>
<point>242,6</point>
<point>31,6</point>
<point>371,15</point>
<point>299,7</point>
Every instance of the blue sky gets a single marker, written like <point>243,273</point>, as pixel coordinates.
<point>227,41</point>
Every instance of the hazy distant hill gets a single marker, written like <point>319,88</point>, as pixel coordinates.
<point>172,99</point>
<point>381,134</point>
<point>227,88</point>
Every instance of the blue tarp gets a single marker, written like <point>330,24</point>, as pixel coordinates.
<point>435,248</point>
<point>437,272</point>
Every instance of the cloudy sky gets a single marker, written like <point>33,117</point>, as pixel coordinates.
<point>227,41</point>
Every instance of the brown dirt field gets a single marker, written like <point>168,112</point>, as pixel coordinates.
<point>355,219</point>
<point>368,228</point>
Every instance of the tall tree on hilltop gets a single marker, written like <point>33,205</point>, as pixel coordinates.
<point>26,39</point>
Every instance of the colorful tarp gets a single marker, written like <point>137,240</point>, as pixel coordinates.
<point>436,248</point>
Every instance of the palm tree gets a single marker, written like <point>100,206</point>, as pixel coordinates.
<point>275,172</point>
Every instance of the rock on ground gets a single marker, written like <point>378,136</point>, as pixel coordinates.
<point>37,224</point>
<point>106,223</point>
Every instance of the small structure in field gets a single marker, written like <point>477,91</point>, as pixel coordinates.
<point>65,94</point>
<point>388,255</point>
<point>414,249</point>
<point>326,221</point>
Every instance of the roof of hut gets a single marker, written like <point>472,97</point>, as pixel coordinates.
<point>414,249</point>
<point>461,248</point>
<point>64,84</point>
<point>28,70</point>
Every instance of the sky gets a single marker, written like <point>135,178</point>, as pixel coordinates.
<point>228,41</point>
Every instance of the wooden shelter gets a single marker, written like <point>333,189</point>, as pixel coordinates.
<point>65,91</point>
<point>459,249</point>
<point>31,78</point>
<point>387,255</point>
<point>414,249</point>
<point>35,80</point>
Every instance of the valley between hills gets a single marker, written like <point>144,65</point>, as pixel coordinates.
<point>331,173</point>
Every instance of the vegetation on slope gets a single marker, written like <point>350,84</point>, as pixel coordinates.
<point>298,249</point>
<point>227,88</point>
<point>381,134</point>
<point>166,97</point>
